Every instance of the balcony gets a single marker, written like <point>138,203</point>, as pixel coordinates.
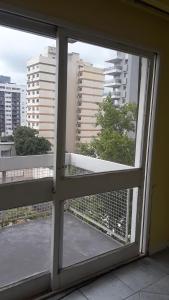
<point>93,224</point>
<point>116,95</point>
<point>115,60</point>
<point>114,70</point>
<point>113,83</point>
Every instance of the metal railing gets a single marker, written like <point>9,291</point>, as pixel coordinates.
<point>109,212</point>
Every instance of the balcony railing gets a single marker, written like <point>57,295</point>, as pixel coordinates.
<point>108,212</point>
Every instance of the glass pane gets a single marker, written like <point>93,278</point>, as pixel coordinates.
<point>106,92</point>
<point>97,224</point>
<point>27,105</point>
<point>25,242</point>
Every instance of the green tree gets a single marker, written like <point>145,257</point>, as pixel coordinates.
<point>86,149</point>
<point>27,142</point>
<point>115,142</point>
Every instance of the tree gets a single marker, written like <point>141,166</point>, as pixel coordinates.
<point>27,142</point>
<point>86,149</point>
<point>115,142</point>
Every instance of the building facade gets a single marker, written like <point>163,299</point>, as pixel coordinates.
<point>85,87</point>
<point>41,73</point>
<point>12,106</point>
<point>122,78</point>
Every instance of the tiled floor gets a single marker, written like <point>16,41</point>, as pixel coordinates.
<point>145,279</point>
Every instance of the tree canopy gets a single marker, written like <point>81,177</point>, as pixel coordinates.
<point>27,142</point>
<point>115,142</point>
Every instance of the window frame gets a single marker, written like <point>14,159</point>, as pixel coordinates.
<point>70,187</point>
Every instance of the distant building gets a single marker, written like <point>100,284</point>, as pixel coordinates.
<point>12,106</point>
<point>5,79</point>
<point>84,92</point>
<point>122,78</point>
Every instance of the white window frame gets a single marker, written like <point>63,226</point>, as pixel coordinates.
<point>77,186</point>
<point>41,190</point>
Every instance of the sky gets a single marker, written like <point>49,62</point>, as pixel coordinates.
<point>17,47</point>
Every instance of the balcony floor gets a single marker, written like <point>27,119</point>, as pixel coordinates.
<point>25,248</point>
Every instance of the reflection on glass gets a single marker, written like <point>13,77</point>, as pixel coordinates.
<point>97,224</point>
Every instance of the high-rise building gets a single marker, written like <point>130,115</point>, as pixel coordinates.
<point>41,72</point>
<point>84,91</point>
<point>12,106</point>
<point>122,78</point>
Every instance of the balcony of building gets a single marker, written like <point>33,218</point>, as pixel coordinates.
<point>113,83</point>
<point>115,95</point>
<point>115,60</point>
<point>114,70</point>
<point>93,224</point>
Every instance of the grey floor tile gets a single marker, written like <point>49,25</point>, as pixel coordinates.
<point>162,259</point>
<point>108,287</point>
<point>134,297</point>
<point>75,296</point>
<point>161,286</point>
<point>147,296</point>
<point>140,274</point>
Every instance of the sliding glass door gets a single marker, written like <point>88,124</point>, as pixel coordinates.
<point>104,101</point>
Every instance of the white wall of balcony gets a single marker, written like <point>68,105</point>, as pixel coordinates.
<point>46,161</point>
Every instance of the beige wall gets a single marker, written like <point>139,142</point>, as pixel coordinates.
<point>92,76</point>
<point>142,29</point>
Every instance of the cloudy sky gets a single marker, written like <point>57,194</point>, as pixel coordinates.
<point>17,47</point>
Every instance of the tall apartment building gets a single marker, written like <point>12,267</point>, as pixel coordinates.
<point>122,78</point>
<point>12,105</point>
<point>84,91</point>
<point>41,72</point>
